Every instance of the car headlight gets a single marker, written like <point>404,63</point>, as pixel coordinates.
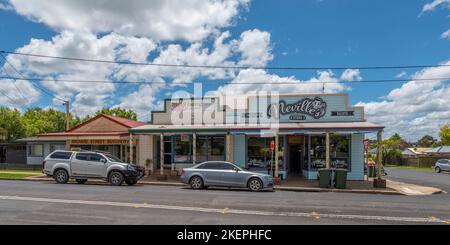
<point>131,167</point>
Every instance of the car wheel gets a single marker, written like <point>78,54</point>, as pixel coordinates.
<point>196,182</point>
<point>130,181</point>
<point>81,181</point>
<point>116,178</point>
<point>61,176</point>
<point>437,169</point>
<point>255,184</point>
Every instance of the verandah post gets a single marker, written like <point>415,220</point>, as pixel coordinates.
<point>131,148</point>
<point>327,150</point>
<point>161,157</point>
<point>194,148</point>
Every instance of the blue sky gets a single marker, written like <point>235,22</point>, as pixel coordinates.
<point>308,33</point>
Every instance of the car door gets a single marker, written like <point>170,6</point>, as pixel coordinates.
<point>79,163</point>
<point>96,165</point>
<point>211,173</point>
<point>446,165</point>
<point>231,177</point>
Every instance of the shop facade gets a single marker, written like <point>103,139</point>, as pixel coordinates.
<point>101,133</point>
<point>284,135</point>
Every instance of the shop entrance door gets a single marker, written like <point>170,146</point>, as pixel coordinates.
<point>295,156</point>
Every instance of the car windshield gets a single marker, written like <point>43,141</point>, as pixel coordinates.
<point>112,158</point>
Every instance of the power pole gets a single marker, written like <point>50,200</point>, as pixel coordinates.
<point>67,103</point>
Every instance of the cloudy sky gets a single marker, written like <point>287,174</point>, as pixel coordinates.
<point>309,33</point>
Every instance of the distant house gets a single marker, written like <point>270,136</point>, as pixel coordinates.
<point>101,133</point>
<point>415,151</point>
<point>439,151</point>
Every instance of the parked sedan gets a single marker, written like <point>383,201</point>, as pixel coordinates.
<point>219,173</point>
<point>442,165</point>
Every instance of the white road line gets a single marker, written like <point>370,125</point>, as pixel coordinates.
<point>228,211</point>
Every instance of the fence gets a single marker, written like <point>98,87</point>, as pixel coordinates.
<point>421,161</point>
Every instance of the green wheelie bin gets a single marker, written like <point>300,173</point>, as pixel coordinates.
<point>371,171</point>
<point>324,176</point>
<point>340,178</point>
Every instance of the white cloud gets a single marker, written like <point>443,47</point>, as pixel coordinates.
<point>191,20</point>
<point>22,93</point>
<point>446,34</point>
<point>6,7</point>
<point>416,108</point>
<point>143,100</point>
<point>260,80</point>
<point>401,74</point>
<point>351,75</point>
<point>87,98</point>
<point>434,4</point>
<point>254,46</point>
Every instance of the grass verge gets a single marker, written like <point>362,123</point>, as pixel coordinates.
<point>410,167</point>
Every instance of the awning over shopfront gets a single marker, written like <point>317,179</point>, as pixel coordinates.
<point>282,128</point>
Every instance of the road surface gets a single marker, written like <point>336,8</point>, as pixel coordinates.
<point>26,202</point>
<point>428,178</point>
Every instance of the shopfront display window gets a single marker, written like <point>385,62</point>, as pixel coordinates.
<point>259,155</point>
<point>339,151</point>
<point>182,148</point>
<point>210,148</point>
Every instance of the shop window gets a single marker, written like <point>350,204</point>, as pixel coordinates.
<point>54,147</point>
<point>339,151</point>
<point>259,154</point>
<point>210,148</point>
<point>36,151</point>
<point>217,149</point>
<point>182,148</point>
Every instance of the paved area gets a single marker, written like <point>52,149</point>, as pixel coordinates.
<point>427,178</point>
<point>29,202</point>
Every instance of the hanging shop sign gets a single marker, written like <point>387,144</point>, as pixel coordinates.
<point>314,107</point>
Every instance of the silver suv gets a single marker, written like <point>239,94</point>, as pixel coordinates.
<point>81,166</point>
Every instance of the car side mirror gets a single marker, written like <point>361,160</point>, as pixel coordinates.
<point>103,160</point>
<point>236,169</point>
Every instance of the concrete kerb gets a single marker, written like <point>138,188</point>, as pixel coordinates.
<point>395,191</point>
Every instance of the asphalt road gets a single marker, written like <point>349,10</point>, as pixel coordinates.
<point>23,202</point>
<point>428,178</point>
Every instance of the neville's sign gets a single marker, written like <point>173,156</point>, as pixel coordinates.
<point>313,107</point>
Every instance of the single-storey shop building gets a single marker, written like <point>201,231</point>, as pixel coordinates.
<point>289,134</point>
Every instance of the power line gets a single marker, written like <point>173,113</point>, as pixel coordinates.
<point>32,81</point>
<point>14,82</point>
<point>9,98</point>
<point>444,79</point>
<point>223,67</point>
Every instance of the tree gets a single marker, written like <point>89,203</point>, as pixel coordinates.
<point>38,121</point>
<point>11,122</point>
<point>444,133</point>
<point>392,148</point>
<point>118,112</point>
<point>426,141</point>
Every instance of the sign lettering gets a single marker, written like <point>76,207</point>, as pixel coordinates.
<point>313,107</point>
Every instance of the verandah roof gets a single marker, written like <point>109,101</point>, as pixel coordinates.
<point>242,128</point>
